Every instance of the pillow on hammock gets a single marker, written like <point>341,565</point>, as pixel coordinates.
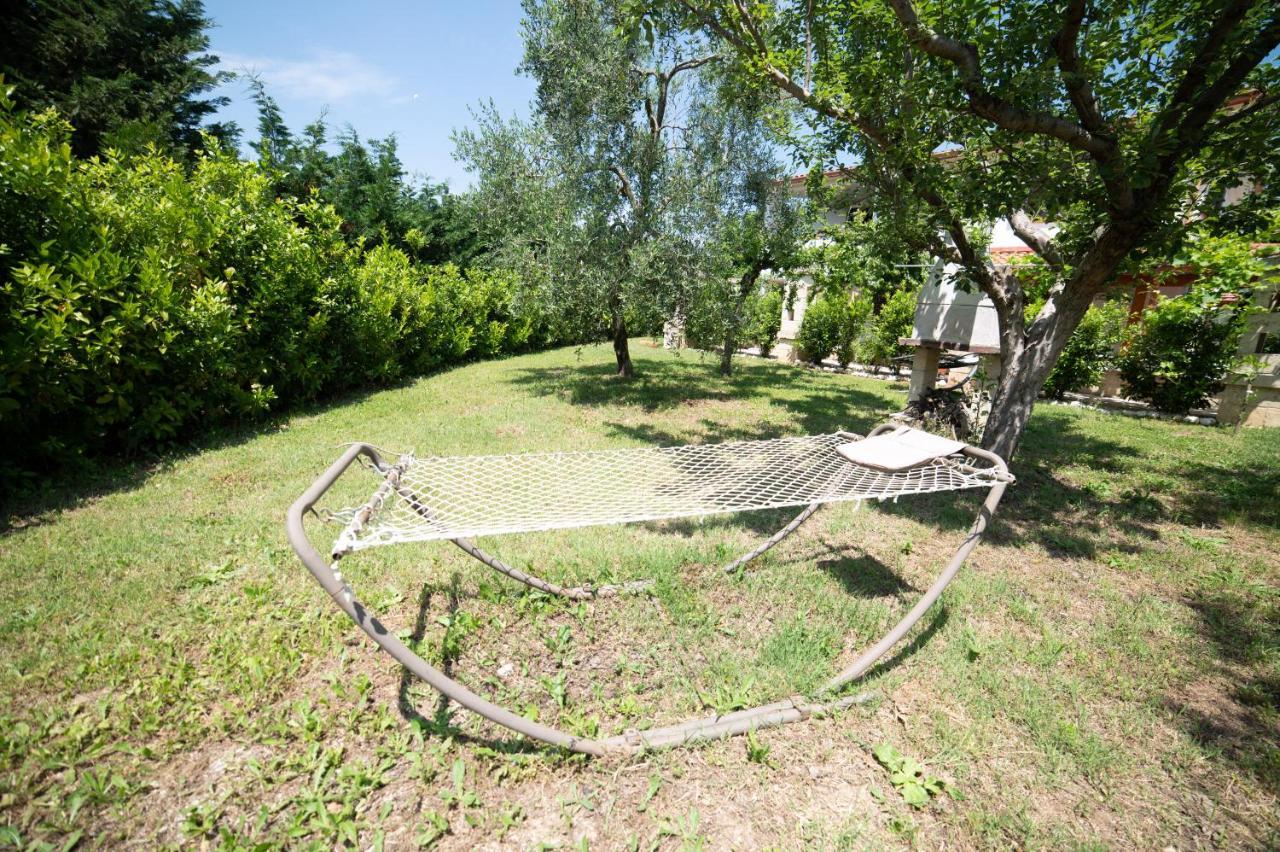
<point>900,449</point>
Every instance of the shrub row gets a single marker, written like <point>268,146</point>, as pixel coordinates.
<point>850,329</point>
<point>141,300</point>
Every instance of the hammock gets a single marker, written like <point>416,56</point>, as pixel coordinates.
<point>460,498</point>
<point>467,496</point>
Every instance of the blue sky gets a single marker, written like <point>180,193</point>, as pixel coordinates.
<point>412,69</point>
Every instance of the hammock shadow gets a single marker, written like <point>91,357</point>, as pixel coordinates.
<point>440,723</point>
<point>905,651</point>
<point>865,576</point>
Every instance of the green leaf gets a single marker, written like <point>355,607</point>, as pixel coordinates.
<point>888,756</point>
<point>915,795</point>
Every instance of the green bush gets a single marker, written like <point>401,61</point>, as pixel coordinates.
<point>879,345</point>
<point>142,301</point>
<point>766,319</point>
<point>820,329</point>
<point>1178,355</point>
<point>832,324</point>
<point>1090,351</point>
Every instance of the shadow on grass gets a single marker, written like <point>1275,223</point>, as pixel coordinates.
<point>865,576</point>
<point>440,724</point>
<point>1238,712</point>
<point>34,497</point>
<point>660,385</point>
<point>935,622</point>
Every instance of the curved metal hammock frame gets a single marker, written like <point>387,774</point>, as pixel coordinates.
<point>992,475</point>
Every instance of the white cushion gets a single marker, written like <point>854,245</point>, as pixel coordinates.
<point>900,449</point>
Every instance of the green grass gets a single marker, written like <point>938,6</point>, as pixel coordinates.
<point>1105,672</point>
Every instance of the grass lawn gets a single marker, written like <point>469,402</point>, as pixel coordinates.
<point>1105,672</point>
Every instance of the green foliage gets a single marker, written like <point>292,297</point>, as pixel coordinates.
<point>832,324</point>
<point>643,180</point>
<point>870,255</point>
<point>1089,352</point>
<point>908,776</point>
<point>1178,355</point>
<point>765,312</point>
<point>140,302</point>
<point>128,72</point>
<point>367,186</point>
<point>710,317</point>
<point>879,345</point>
<point>758,750</point>
<point>820,329</point>
<point>1094,130</point>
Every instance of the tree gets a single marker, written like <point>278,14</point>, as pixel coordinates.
<point>752,221</point>
<point>123,72</point>
<point>864,253</point>
<point>366,184</point>
<point>596,197</point>
<point>1102,118</point>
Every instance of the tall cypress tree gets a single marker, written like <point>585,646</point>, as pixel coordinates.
<point>124,72</point>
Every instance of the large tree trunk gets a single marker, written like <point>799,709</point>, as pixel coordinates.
<point>1023,373</point>
<point>620,348</point>
<point>1029,352</point>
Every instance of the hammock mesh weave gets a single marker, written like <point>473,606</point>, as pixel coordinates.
<point>424,499</point>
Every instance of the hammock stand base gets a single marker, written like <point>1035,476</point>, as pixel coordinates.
<point>792,709</point>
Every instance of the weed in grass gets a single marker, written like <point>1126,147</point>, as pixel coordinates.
<point>684,828</point>
<point>903,827</point>
<point>558,643</point>
<point>758,750</point>
<point>908,777</point>
<point>735,695</point>
<point>655,784</point>
<point>556,688</point>
<point>432,826</point>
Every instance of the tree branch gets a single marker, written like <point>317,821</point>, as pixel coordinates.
<point>1243,114</point>
<point>746,38</point>
<point>690,64</point>
<point>1037,237</point>
<point>759,50</point>
<point>624,188</point>
<point>986,104</point>
<point>1197,108</point>
<point>1198,70</point>
<point>1074,80</point>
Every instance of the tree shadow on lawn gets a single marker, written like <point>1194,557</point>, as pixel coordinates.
<point>665,385</point>
<point>1237,709</point>
<point>1117,510</point>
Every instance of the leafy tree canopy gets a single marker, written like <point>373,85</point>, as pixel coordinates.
<point>617,196</point>
<point>367,185</point>
<point>1112,120</point>
<point>124,72</point>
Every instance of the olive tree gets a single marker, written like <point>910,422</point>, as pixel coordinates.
<point>1110,120</point>
<point>596,195</point>
<point>752,222</point>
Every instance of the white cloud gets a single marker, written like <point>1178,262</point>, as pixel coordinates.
<point>326,76</point>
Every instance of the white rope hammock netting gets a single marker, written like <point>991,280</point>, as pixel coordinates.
<point>425,499</point>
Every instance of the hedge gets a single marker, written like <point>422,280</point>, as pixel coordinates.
<point>142,300</point>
